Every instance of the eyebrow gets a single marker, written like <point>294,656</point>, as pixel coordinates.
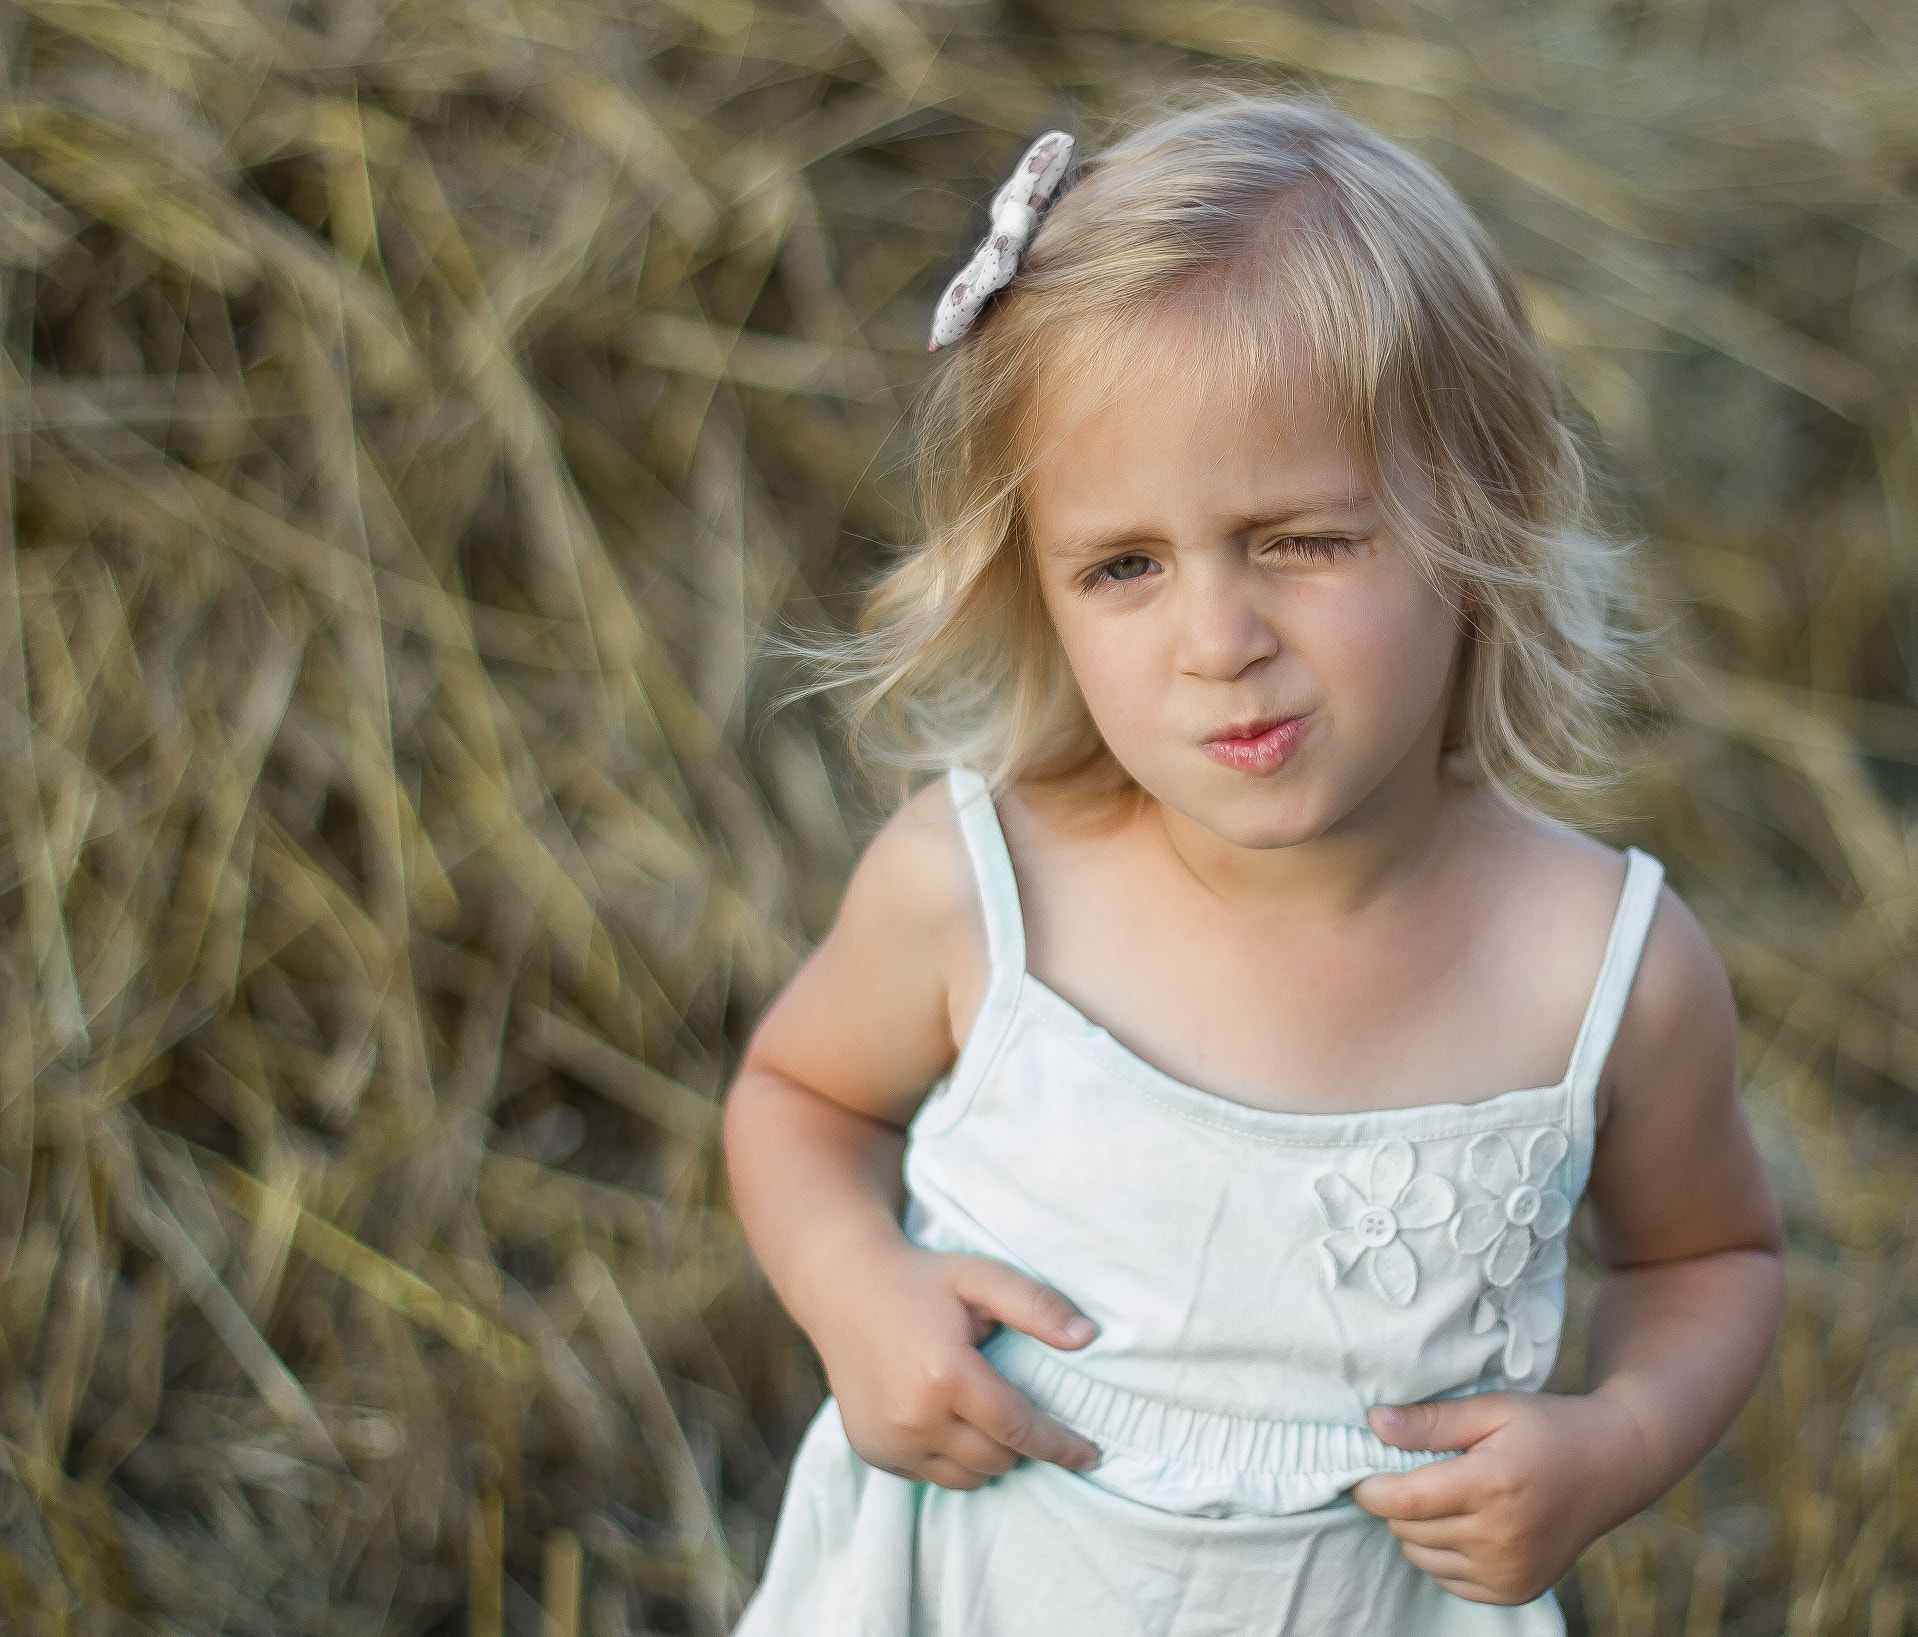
<point>1276,514</point>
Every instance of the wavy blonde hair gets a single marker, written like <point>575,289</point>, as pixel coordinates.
<point>1282,226</point>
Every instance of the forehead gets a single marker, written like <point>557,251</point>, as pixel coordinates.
<point>1171,416</point>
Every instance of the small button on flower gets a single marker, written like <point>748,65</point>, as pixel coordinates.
<point>1522,1212</point>
<point>1367,1227</point>
<point>1377,1227</point>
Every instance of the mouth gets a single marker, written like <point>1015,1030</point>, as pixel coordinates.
<point>1257,747</point>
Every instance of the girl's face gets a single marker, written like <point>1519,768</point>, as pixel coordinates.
<point>1256,648</point>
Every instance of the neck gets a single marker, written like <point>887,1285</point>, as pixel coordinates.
<point>1381,846</point>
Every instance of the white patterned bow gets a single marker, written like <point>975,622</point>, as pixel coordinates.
<point>1016,209</point>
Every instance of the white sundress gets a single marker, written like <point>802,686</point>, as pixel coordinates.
<point>1260,1279</point>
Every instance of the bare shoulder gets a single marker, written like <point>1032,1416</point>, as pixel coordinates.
<point>1679,1033</point>
<point>915,875</point>
<point>1676,1172</point>
<point>1679,1026</point>
<point>906,949</point>
<point>913,902</point>
<point>1679,993</point>
<point>1529,858</point>
<point>1551,892</point>
<point>912,908</point>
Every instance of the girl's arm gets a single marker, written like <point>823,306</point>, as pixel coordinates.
<point>814,1132</point>
<point>1690,1303</point>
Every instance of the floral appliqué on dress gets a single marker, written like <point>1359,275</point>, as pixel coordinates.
<point>1525,1308</point>
<point>1522,1213</point>
<point>1366,1227</point>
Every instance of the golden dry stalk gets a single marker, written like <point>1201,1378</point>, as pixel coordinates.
<point>414,414</point>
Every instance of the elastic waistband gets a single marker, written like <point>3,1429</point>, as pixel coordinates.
<point>1189,1460</point>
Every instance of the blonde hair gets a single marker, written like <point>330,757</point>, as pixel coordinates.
<point>1278,224</point>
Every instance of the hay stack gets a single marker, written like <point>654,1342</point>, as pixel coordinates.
<point>413,414</point>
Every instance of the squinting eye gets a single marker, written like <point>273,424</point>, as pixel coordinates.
<point>1125,568</point>
<point>1322,546</point>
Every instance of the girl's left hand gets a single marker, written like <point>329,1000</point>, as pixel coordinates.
<point>1542,1476</point>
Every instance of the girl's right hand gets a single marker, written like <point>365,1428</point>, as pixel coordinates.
<point>917,1397</point>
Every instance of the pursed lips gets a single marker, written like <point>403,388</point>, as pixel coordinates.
<point>1257,746</point>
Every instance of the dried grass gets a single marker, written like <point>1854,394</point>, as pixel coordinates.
<point>413,413</point>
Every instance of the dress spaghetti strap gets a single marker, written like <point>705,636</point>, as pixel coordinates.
<point>992,868</point>
<point>1637,901</point>
<point>1005,949</point>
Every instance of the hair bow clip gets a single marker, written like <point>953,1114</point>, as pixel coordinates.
<point>1016,209</point>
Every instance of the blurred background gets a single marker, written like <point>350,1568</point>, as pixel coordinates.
<point>415,414</point>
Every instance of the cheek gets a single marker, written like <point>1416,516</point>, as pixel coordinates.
<point>1108,668</point>
<point>1114,664</point>
<point>1392,646</point>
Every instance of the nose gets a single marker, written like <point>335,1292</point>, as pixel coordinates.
<point>1223,632</point>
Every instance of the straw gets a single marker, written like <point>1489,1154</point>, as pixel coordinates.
<point>412,417</point>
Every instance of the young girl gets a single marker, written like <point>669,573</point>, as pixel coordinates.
<point>1270,1041</point>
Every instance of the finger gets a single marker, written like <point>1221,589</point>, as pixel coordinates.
<point>1439,1490</point>
<point>972,1449</point>
<point>949,1474</point>
<point>1446,1423</point>
<point>1006,1294</point>
<point>1456,1534</point>
<point>1442,1563</point>
<point>931,1467</point>
<point>1004,1414</point>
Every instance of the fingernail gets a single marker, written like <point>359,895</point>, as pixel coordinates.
<point>1388,1420</point>
<point>1086,1462</point>
<point>1080,1329</point>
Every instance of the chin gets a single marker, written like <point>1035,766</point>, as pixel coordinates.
<point>1260,815</point>
<point>1263,832</point>
<point>1258,812</point>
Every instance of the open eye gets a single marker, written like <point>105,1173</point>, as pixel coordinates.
<point>1132,566</point>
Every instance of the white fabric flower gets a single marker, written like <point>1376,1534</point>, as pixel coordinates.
<point>1524,1308</point>
<point>1522,1211</point>
<point>1366,1227</point>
